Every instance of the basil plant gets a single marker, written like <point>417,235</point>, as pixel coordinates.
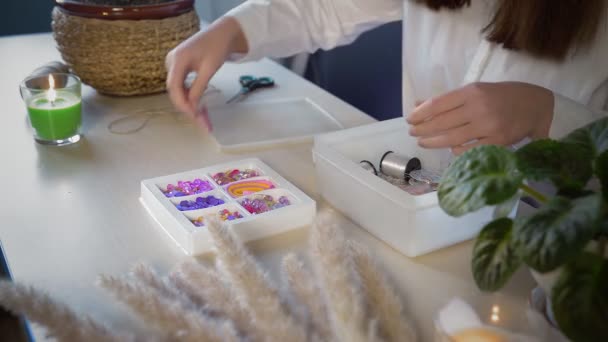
<point>557,235</point>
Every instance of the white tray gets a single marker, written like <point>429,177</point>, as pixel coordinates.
<point>414,225</point>
<point>257,125</point>
<point>196,240</point>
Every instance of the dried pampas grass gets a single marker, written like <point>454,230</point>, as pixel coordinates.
<point>60,321</point>
<point>384,303</point>
<point>254,291</point>
<point>205,287</point>
<point>179,321</point>
<point>345,298</point>
<point>341,285</point>
<point>307,293</point>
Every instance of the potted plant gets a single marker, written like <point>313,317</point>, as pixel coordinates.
<point>566,236</point>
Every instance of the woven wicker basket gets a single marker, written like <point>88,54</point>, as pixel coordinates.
<point>120,57</point>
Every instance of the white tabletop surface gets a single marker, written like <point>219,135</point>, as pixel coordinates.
<point>71,213</point>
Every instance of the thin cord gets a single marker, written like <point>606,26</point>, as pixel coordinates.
<point>147,115</point>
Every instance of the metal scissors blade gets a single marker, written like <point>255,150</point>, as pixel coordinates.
<point>239,96</point>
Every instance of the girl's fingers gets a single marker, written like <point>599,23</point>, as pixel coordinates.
<point>442,122</point>
<point>202,117</point>
<point>175,86</point>
<point>208,67</point>
<point>458,150</point>
<point>453,137</point>
<point>437,105</point>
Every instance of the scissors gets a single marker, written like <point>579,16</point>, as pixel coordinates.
<point>250,84</point>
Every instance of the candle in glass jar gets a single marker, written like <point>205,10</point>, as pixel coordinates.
<point>55,114</point>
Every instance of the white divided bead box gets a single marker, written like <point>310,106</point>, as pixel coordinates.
<point>413,225</point>
<point>177,215</point>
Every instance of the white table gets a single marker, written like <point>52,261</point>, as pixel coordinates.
<point>71,213</point>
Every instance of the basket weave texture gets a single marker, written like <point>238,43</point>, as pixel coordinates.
<point>121,57</point>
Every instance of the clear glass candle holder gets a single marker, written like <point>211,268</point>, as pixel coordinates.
<point>54,106</point>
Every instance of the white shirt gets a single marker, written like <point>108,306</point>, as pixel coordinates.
<point>442,50</point>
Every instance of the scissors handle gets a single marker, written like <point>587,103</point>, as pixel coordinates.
<point>246,79</point>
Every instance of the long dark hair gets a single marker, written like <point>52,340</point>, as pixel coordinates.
<point>544,28</point>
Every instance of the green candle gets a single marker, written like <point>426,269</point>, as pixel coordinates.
<point>54,112</point>
<point>55,120</point>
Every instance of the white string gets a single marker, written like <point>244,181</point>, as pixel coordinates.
<point>147,115</point>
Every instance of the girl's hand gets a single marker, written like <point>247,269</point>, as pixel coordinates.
<point>203,53</point>
<point>483,113</point>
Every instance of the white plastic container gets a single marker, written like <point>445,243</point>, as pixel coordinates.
<point>196,240</point>
<point>414,225</point>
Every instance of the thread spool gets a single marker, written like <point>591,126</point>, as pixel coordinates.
<point>398,166</point>
<point>368,166</point>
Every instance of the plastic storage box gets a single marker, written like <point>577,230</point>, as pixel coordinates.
<point>180,226</point>
<point>414,225</point>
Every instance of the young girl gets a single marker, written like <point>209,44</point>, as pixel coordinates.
<point>474,71</point>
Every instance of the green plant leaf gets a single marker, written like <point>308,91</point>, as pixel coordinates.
<point>495,255</point>
<point>580,298</point>
<point>601,171</point>
<point>484,175</point>
<point>505,208</point>
<point>558,231</point>
<point>591,140</point>
<point>604,226</point>
<point>562,163</point>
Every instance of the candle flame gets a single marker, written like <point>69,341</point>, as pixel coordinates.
<point>52,94</point>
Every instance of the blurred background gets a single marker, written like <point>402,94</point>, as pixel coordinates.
<point>375,89</point>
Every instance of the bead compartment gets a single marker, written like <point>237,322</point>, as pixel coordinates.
<point>200,202</point>
<point>193,240</point>
<point>232,179</point>
<point>231,188</point>
<point>276,194</point>
<point>164,186</point>
<point>195,214</point>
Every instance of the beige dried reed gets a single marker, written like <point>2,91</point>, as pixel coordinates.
<point>206,287</point>
<point>59,320</point>
<point>172,316</point>
<point>252,287</point>
<point>346,298</point>
<point>383,301</point>
<point>340,283</point>
<point>307,293</point>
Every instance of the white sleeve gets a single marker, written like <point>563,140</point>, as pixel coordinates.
<point>569,115</point>
<point>280,28</point>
